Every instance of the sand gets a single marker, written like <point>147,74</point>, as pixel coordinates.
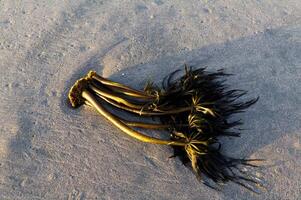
<point>50,151</point>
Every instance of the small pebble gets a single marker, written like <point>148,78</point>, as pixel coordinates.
<point>207,10</point>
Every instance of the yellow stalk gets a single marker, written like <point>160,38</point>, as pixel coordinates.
<point>114,97</point>
<point>123,88</point>
<point>146,125</point>
<point>145,113</point>
<point>122,126</point>
<point>141,124</point>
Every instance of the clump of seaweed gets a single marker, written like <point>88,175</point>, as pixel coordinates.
<point>195,109</point>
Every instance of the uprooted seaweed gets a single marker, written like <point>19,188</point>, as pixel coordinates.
<point>195,109</point>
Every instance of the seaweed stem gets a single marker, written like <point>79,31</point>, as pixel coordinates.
<point>122,126</point>
<point>145,113</point>
<point>123,88</point>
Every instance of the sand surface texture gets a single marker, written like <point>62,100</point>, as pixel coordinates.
<point>49,151</point>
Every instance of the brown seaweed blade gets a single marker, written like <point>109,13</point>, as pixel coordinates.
<point>223,103</point>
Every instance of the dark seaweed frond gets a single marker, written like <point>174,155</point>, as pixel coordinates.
<point>212,106</point>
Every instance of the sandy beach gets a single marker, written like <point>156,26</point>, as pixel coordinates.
<point>50,151</point>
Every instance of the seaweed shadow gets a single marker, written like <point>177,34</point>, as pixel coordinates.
<point>264,64</point>
<point>267,65</point>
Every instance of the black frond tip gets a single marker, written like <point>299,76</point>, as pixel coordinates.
<point>216,104</point>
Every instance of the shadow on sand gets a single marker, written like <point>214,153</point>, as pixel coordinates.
<point>267,65</point>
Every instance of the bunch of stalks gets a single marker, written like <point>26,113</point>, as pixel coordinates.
<point>194,109</point>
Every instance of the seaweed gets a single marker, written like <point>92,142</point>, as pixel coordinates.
<point>195,109</point>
